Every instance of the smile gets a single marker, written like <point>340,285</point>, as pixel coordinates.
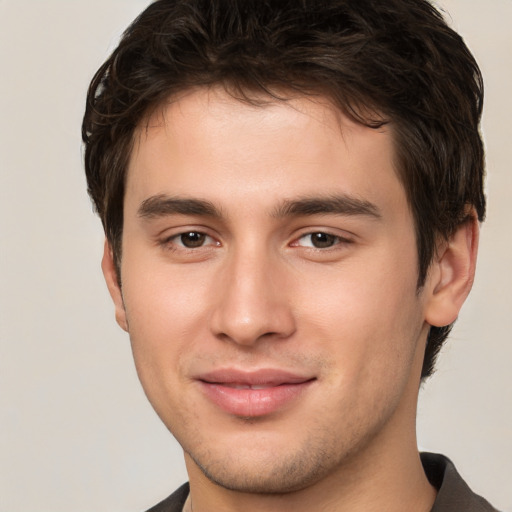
<point>253,394</point>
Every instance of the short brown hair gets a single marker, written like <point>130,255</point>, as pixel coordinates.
<point>393,61</point>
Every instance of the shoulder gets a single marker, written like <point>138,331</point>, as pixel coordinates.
<point>173,503</point>
<point>453,493</point>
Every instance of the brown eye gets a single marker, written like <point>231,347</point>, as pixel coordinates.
<point>319,240</point>
<point>192,239</point>
<point>322,240</point>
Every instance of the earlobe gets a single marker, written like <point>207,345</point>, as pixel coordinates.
<point>113,285</point>
<point>452,273</point>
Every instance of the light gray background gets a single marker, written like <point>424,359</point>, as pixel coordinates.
<point>76,432</point>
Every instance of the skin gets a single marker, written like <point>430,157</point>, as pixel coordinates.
<point>256,293</point>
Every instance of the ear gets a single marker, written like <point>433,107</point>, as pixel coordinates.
<point>114,287</point>
<point>452,274</point>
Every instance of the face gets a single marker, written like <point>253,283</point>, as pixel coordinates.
<point>269,275</point>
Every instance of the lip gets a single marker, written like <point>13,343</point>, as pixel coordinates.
<point>253,393</point>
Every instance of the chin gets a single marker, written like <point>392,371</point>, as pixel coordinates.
<point>268,473</point>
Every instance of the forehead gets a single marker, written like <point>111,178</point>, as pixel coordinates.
<point>207,142</point>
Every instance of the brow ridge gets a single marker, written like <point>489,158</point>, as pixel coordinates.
<point>162,205</point>
<point>334,204</point>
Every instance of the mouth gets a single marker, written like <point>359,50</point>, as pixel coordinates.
<point>245,386</point>
<point>253,394</point>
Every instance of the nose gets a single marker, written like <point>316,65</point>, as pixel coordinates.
<point>253,302</point>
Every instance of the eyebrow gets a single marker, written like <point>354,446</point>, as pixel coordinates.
<point>336,204</point>
<point>162,205</point>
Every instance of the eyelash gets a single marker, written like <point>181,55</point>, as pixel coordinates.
<point>175,242</point>
<point>335,239</point>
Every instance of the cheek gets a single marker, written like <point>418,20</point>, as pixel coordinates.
<point>368,337</point>
<point>369,316</point>
<point>160,296</point>
<point>163,319</point>
<point>165,310</point>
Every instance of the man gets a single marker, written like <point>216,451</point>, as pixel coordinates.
<point>291,193</point>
